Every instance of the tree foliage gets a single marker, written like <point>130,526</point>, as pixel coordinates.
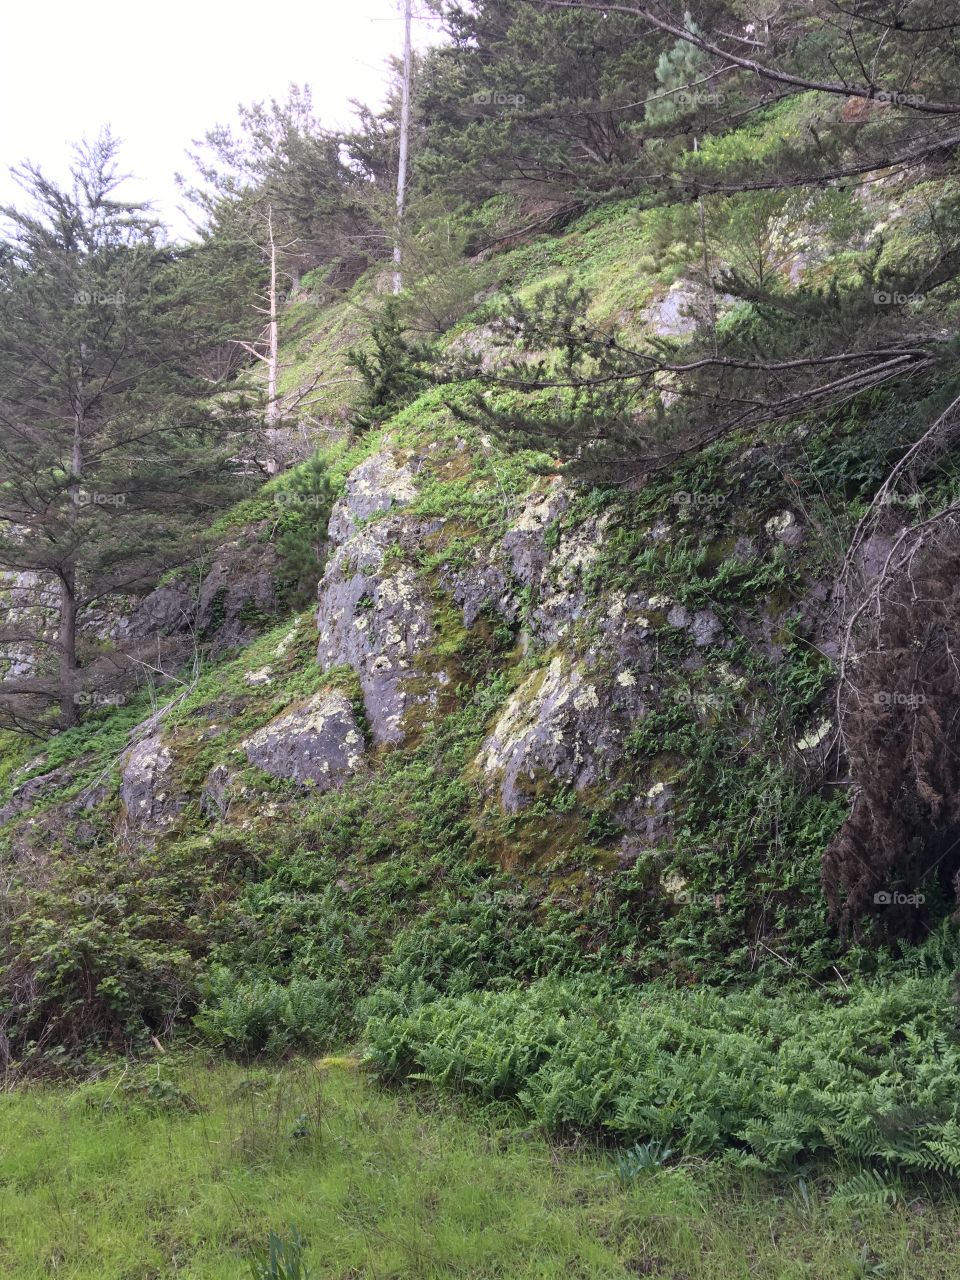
<point>112,456</point>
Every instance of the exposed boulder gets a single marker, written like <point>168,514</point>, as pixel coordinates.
<point>562,723</point>
<point>375,616</point>
<point>317,743</point>
<point>678,312</point>
<point>237,593</point>
<point>150,800</point>
<point>785,528</point>
<point>377,484</point>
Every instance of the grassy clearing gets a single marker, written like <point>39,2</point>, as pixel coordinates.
<point>183,1170</point>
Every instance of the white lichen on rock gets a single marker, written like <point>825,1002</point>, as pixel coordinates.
<point>316,743</point>
<point>815,736</point>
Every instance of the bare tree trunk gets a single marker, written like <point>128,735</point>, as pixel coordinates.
<point>404,147</point>
<point>272,408</point>
<point>67,646</point>
<point>67,631</point>
<point>707,273</point>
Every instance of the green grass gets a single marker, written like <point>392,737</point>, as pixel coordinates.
<point>183,1170</point>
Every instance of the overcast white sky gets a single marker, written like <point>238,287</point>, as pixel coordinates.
<point>162,74</point>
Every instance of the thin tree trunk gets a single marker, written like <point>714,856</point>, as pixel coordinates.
<point>707,273</point>
<point>404,147</point>
<point>273,356</point>
<point>67,632</point>
<point>67,644</point>
<point>272,408</point>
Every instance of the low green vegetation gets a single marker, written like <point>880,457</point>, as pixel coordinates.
<point>765,1082</point>
<point>188,1167</point>
<point>637,408</point>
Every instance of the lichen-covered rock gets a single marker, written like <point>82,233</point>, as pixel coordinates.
<point>678,312</point>
<point>150,799</point>
<point>374,615</point>
<point>785,528</point>
<point>317,743</point>
<point>647,816</point>
<point>237,595</point>
<point>563,724</point>
<point>702,625</point>
<point>214,798</point>
<point>377,484</point>
<point>525,542</point>
<point>485,584</point>
<point>39,787</point>
<point>536,562</point>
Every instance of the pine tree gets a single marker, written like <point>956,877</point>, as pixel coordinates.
<point>112,460</point>
<point>680,74</point>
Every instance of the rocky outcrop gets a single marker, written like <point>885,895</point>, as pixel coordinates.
<point>237,594</point>
<point>150,800</point>
<point>318,744</point>
<point>534,562</point>
<point>678,312</point>
<point>375,615</point>
<point>563,724</point>
<point>377,485</point>
<point>39,787</point>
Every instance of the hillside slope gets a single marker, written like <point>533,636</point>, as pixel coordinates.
<point>541,757</point>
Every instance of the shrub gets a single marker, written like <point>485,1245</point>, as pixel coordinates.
<point>262,1015</point>
<point>774,1082</point>
<point>107,952</point>
<point>391,373</point>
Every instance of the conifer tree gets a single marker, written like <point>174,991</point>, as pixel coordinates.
<point>112,460</point>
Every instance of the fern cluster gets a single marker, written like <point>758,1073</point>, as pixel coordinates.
<point>778,1083</point>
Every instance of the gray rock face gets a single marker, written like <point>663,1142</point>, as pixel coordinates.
<point>562,723</point>
<point>374,615</point>
<point>521,561</point>
<point>213,796</point>
<point>165,611</point>
<point>37,787</point>
<point>526,540</point>
<point>703,624</point>
<point>785,528</point>
<point>240,585</point>
<point>376,485</point>
<point>485,584</point>
<point>146,787</point>
<point>677,312</point>
<point>316,744</point>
